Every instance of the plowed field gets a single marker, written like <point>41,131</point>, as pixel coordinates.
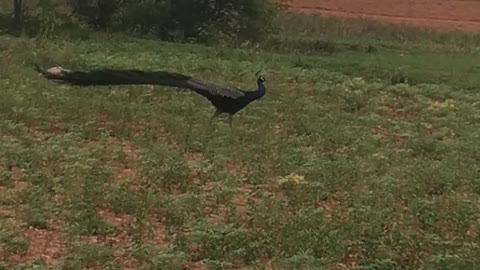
<point>463,15</point>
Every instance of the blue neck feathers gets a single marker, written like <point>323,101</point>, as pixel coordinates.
<point>261,89</point>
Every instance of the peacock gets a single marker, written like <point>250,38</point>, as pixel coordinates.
<point>225,99</point>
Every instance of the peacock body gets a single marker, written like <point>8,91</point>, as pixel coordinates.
<point>225,99</point>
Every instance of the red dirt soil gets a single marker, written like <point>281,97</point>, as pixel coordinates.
<point>445,15</point>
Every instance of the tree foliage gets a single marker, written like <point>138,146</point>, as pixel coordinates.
<point>17,13</point>
<point>204,21</point>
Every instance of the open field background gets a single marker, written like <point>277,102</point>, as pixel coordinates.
<point>438,14</point>
<point>362,155</point>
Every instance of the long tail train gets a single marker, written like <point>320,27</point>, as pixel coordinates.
<point>113,77</point>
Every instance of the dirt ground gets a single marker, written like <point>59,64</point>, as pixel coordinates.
<point>463,15</point>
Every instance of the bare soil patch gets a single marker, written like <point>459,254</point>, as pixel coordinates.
<point>448,15</point>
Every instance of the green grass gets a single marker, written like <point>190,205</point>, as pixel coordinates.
<point>360,47</point>
<point>363,29</point>
<point>328,170</point>
<point>415,63</point>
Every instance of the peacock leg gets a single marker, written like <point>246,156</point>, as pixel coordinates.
<point>215,115</point>
<point>230,119</point>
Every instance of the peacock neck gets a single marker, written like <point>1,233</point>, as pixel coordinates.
<point>260,90</point>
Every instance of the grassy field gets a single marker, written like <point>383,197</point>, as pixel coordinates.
<point>339,166</point>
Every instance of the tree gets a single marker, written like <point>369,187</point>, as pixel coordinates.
<point>97,13</point>
<point>204,21</point>
<point>211,20</point>
<point>17,14</point>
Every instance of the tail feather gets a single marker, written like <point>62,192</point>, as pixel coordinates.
<point>113,77</point>
<point>133,76</point>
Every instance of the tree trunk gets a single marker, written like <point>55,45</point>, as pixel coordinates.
<point>17,14</point>
<point>105,11</point>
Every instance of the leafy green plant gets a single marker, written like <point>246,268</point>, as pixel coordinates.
<point>12,241</point>
<point>335,168</point>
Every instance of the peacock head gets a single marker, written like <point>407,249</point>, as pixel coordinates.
<point>260,77</point>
